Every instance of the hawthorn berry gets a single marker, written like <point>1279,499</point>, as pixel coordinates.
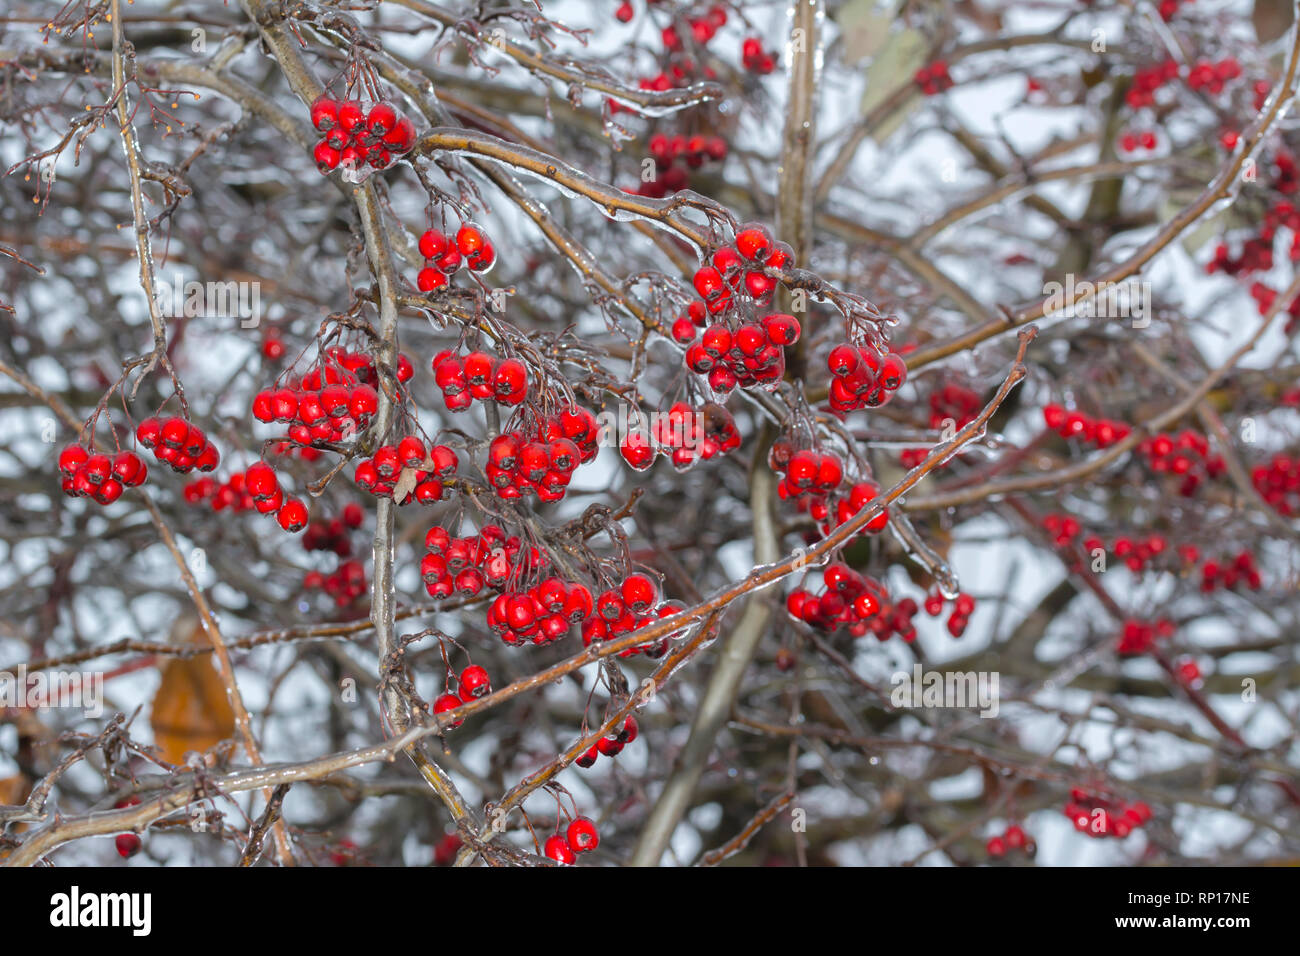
<point>582,836</point>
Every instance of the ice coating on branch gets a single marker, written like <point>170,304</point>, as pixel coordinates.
<point>914,547</point>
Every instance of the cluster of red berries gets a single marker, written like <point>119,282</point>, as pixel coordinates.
<point>177,443</point>
<point>1278,483</point>
<point>332,535</point>
<point>479,375</point>
<point>464,565</point>
<point>430,465</point>
<point>99,477</point>
<point>933,78</point>
<point>741,267</point>
<point>1139,637</point>
<point>444,254</point>
<point>1265,297</point>
<point>540,614</point>
<point>545,463</point>
<point>1228,574</point>
<point>1101,432</point>
<point>355,138</point>
<point>1211,77</point>
<point>702,28</point>
<point>1100,816</point>
<point>230,493</point>
<point>951,407</point>
<point>963,606</point>
<point>894,620</point>
<point>345,584</point>
<point>861,377</point>
<point>674,157</point>
<point>1186,454</point>
<point>831,512</point>
<point>330,402</point>
<point>611,745</point>
<point>849,600</point>
<point>805,471</point>
<point>261,483</point>
<point>1135,140</point>
<point>1013,838</point>
<point>1063,529</point>
<point>472,684</point>
<point>1136,554</point>
<point>755,58</point>
<point>629,606</point>
<point>580,837</point>
<point>688,435</point>
<point>1141,91</point>
<point>1257,251</point>
<point>680,70</point>
<point>748,355</point>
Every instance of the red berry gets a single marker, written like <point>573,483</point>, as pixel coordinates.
<point>582,836</point>
<point>754,242</point>
<point>72,458</point>
<point>292,515</point>
<point>129,469</point>
<point>510,381</point>
<point>445,703</point>
<point>382,118</point>
<point>149,432</point>
<point>474,683</point>
<point>557,848</point>
<point>324,113</point>
<point>433,244</point>
<point>639,592</point>
<point>128,845</point>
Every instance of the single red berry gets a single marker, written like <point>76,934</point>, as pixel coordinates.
<point>149,432</point>
<point>430,280</point>
<point>582,836</point>
<point>469,240</point>
<point>72,458</point>
<point>350,115</point>
<point>325,113</point>
<point>754,242</point>
<point>411,451</point>
<point>433,244</point>
<point>474,683</point>
<point>709,284</point>
<point>381,119</point>
<point>128,845</point>
<point>327,158</point>
<point>510,380</point>
<point>557,848</point>
<point>640,592</point>
<point>445,703</point>
<point>292,515</point>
